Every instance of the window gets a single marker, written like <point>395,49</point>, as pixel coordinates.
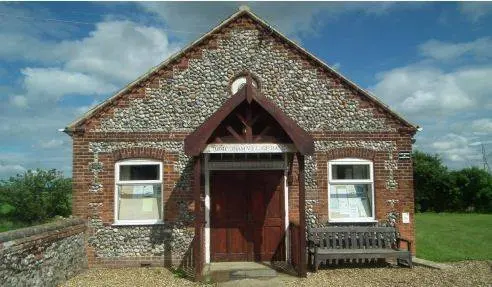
<point>138,192</point>
<point>350,190</point>
<point>239,82</point>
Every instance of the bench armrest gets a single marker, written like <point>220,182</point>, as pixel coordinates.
<point>409,243</point>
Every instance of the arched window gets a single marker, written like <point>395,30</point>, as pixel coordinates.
<point>138,192</point>
<point>239,82</point>
<point>350,190</point>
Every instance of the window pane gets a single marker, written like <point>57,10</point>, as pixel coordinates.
<point>139,172</point>
<point>350,171</point>
<point>350,201</point>
<point>138,202</point>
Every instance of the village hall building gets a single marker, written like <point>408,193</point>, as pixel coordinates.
<point>230,150</point>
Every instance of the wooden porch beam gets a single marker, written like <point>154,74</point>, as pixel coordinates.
<point>198,253</point>
<point>262,133</point>
<point>235,134</point>
<point>302,217</point>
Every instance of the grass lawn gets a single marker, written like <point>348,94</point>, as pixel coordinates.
<point>454,236</point>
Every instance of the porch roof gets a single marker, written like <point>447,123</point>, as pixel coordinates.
<point>196,142</point>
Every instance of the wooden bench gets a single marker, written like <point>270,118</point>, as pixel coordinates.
<point>355,243</point>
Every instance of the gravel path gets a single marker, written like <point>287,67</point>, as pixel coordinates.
<point>467,273</point>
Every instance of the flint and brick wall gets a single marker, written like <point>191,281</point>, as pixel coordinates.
<point>93,181</point>
<point>152,118</point>
<point>43,255</point>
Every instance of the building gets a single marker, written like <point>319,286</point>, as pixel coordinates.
<point>228,149</point>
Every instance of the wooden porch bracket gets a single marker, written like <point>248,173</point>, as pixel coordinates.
<point>302,217</point>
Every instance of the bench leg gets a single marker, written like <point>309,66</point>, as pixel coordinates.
<point>407,260</point>
<point>310,260</point>
<point>316,263</point>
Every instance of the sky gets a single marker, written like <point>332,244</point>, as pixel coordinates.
<point>429,61</point>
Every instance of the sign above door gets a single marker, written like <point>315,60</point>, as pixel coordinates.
<point>249,148</point>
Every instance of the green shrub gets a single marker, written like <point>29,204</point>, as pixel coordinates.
<point>437,189</point>
<point>36,196</point>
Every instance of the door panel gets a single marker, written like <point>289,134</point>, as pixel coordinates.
<point>228,233</point>
<point>247,215</point>
<point>268,206</point>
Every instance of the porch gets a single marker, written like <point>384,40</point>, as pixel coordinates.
<point>242,203</point>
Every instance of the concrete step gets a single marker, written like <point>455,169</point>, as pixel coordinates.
<point>223,272</point>
<point>253,273</point>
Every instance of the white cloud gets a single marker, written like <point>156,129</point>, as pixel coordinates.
<point>54,83</point>
<point>117,50</point>
<point>291,18</point>
<point>482,125</point>
<point>24,38</point>
<point>475,10</point>
<point>10,169</point>
<point>438,96</point>
<point>456,148</point>
<point>18,101</point>
<point>439,50</point>
<point>53,143</point>
<point>26,47</point>
<point>115,53</point>
<point>426,90</point>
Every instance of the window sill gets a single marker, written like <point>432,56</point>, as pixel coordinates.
<point>138,222</point>
<point>349,220</point>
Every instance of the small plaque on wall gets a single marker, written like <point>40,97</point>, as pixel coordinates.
<point>405,217</point>
<point>404,155</point>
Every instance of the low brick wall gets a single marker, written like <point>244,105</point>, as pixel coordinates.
<point>43,255</point>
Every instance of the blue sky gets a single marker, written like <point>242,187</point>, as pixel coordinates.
<point>431,62</point>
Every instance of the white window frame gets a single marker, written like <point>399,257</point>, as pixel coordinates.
<point>117,181</point>
<point>331,181</point>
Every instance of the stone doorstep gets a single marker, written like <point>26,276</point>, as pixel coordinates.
<point>255,273</point>
<point>430,264</point>
<point>220,272</point>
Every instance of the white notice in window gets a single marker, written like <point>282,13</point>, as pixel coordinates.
<point>148,204</point>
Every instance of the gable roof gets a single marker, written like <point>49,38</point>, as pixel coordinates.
<point>73,126</point>
<point>195,142</point>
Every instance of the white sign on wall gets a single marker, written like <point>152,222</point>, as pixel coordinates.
<point>249,148</point>
<point>405,217</point>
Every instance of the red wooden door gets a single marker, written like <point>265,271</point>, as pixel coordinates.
<point>247,216</point>
<point>229,230</point>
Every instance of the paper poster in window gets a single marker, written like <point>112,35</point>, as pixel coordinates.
<point>354,211</point>
<point>148,190</point>
<point>138,190</point>
<point>351,189</point>
<point>148,204</point>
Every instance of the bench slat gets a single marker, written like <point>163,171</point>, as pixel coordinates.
<point>363,251</point>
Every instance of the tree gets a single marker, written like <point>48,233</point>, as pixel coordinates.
<point>475,186</point>
<point>437,189</point>
<point>36,196</point>
<point>433,188</point>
